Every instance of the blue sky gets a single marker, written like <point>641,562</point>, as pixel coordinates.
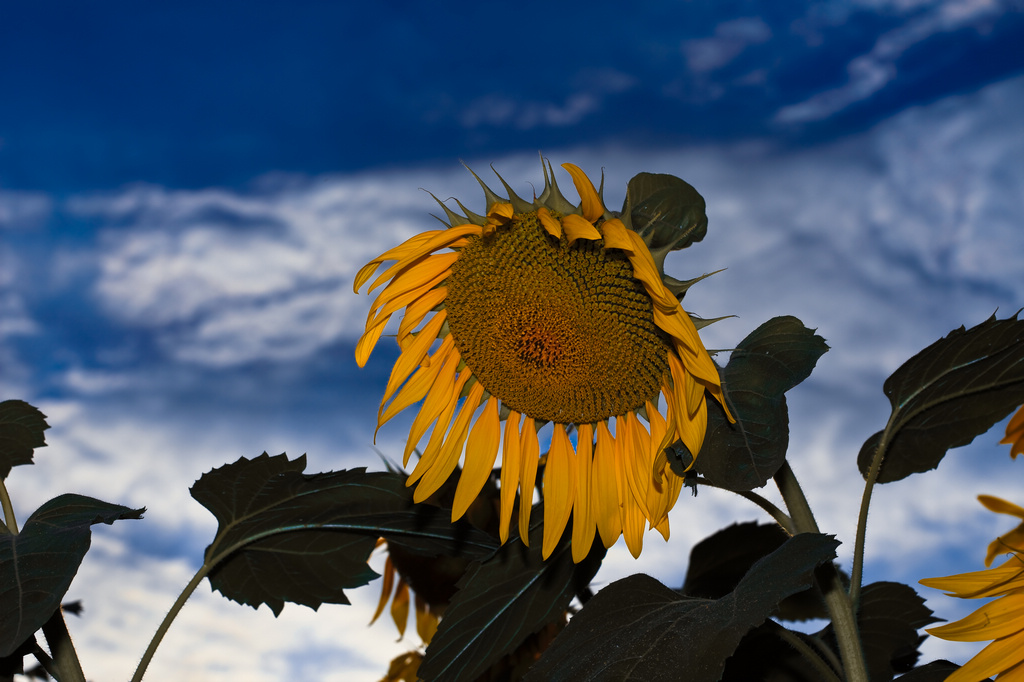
<point>187,190</point>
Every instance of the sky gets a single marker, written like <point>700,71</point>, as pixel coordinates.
<point>186,191</point>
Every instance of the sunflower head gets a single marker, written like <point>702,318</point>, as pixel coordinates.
<point>548,312</point>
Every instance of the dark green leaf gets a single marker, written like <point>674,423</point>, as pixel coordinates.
<point>504,600</point>
<point>767,654</point>
<point>948,394</point>
<point>936,671</point>
<point>719,562</point>
<point>638,629</point>
<point>286,536</point>
<point>21,432</point>
<point>38,564</point>
<point>889,617</point>
<point>666,211</point>
<point>773,358</point>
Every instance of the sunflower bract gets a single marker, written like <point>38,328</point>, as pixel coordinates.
<point>544,313</point>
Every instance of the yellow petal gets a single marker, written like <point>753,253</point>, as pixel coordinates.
<point>579,228</point>
<point>616,235</point>
<point>427,274</point>
<point>366,343</point>
<point>400,607</point>
<point>583,525</point>
<point>1000,618</point>
<point>411,246</point>
<point>481,452</point>
<point>438,241</point>
<point>1005,543</point>
<point>418,309</point>
<point>412,356</point>
<point>510,467</point>
<point>605,495</point>
<point>529,449</point>
<point>435,445</point>
<point>991,582</point>
<point>559,488</point>
<point>451,450</point>
<point>632,518</point>
<point>998,656</point>
<point>426,620</point>
<point>635,443</point>
<point>1015,433</point>
<point>1001,506</point>
<point>385,590</point>
<point>646,271</point>
<point>590,202</point>
<point>418,384</point>
<point>437,399</point>
<point>549,223</point>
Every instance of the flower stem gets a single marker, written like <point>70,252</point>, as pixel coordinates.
<point>857,572</point>
<point>781,517</point>
<point>166,623</point>
<point>809,654</point>
<point>838,603</point>
<point>10,521</point>
<point>66,666</point>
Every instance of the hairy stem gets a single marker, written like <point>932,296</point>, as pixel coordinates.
<point>66,667</point>
<point>857,572</point>
<point>838,603</point>
<point>165,624</point>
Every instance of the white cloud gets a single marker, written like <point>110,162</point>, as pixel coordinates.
<point>730,39</point>
<point>870,72</point>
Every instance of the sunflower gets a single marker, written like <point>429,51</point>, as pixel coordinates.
<point>535,313</point>
<point>1001,620</point>
<point>1015,434</point>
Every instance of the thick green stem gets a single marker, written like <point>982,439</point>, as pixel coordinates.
<point>9,519</point>
<point>66,666</point>
<point>837,602</point>
<point>165,624</point>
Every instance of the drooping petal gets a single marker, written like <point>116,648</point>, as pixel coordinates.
<point>616,235</point>
<point>385,590</point>
<point>559,488</point>
<point>426,620</point>
<point>418,384</point>
<point>549,223</point>
<point>633,518</point>
<point>590,201</point>
<point>438,398</point>
<point>418,309</point>
<point>400,607</point>
<point>579,228</point>
<point>437,441</point>
<point>646,271</point>
<point>998,656</point>
<point>1000,618</point>
<point>438,241</point>
<point>412,356</point>
<point>583,524</point>
<point>529,451</point>
<point>451,450</point>
<point>605,495</point>
<point>412,246</point>
<point>510,467</point>
<point>481,453</point>
<point>1015,434</point>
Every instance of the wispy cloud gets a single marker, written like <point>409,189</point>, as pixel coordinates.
<point>729,40</point>
<point>872,71</point>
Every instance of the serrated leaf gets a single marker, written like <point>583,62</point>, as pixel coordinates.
<point>719,561</point>
<point>502,601</point>
<point>638,629</point>
<point>947,395</point>
<point>285,536</point>
<point>21,432</point>
<point>888,617</point>
<point>38,565</point>
<point>772,359</point>
<point>666,211</point>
